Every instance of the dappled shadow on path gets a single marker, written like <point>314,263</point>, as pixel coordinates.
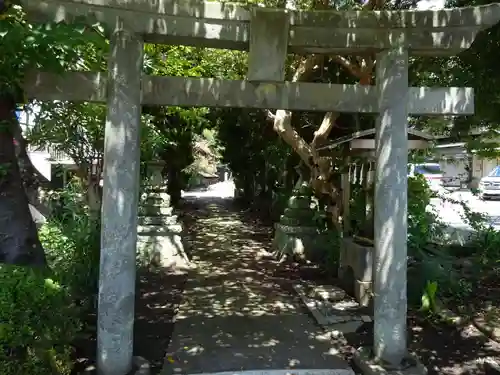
<point>444,349</point>
<point>158,295</point>
<point>235,314</point>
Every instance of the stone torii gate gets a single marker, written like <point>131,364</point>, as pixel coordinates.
<point>268,34</point>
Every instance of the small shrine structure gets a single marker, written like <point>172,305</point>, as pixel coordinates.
<point>357,244</point>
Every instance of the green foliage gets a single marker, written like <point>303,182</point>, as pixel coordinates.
<point>429,297</point>
<point>38,322</point>
<point>486,248</point>
<point>77,129</point>
<point>51,47</point>
<point>423,226</point>
<point>72,242</point>
<point>41,316</point>
<point>332,256</point>
<point>261,162</point>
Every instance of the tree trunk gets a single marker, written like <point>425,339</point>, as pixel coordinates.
<point>31,177</point>
<point>321,168</point>
<point>19,242</point>
<point>174,185</point>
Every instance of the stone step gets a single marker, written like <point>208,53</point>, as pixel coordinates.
<point>155,210</point>
<point>158,220</point>
<point>158,230</point>
<point>330,314</point>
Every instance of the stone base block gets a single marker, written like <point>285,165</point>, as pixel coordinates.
<point>312,247</point>
<point>158,220</point>
<point>164,251</point>
<point>358,257</point>
<point>355,269</point>
<point>140,366</point>
<point>365,363</point>
<point>363,292</point>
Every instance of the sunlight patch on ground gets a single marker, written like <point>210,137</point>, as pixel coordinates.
<point>219,190</point>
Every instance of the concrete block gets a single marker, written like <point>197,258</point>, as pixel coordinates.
<point>358,257</point>
<point>166,251</point>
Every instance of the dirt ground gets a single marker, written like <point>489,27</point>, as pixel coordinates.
<point>157,296</point>
<point>443,348</point>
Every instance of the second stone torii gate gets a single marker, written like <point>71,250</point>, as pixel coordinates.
<point>269,35</point>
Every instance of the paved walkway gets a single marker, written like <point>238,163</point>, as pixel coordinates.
<point>235,315</point>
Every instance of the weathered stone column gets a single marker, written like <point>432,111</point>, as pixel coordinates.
<point>119,206</point>
<point>390,217</point>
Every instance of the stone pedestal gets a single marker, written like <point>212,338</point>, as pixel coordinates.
<point>365,363</point>
<point>159,232</point>
<point>297,235</point>
<point>355,269</point>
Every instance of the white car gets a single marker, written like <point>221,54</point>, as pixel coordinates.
<point>489,186</point>
<point>431,172</point>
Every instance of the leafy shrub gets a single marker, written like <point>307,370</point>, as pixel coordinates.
<point>71,240</point>
<point>39,316</point>
<point>37,323</point>
<point>430,265</point>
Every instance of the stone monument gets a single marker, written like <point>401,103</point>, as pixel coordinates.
<point>297,234</point>
<point>159,241</point>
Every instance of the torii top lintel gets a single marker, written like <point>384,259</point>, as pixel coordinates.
<point>218,25</point>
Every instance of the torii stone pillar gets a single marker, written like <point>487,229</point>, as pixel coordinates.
<point>119,205</point>
<point>391,200</point>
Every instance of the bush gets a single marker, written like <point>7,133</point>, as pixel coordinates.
<point>38,323</point>
<point>39,316</point>
<point>423,225</point>
<point>72,241</point>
